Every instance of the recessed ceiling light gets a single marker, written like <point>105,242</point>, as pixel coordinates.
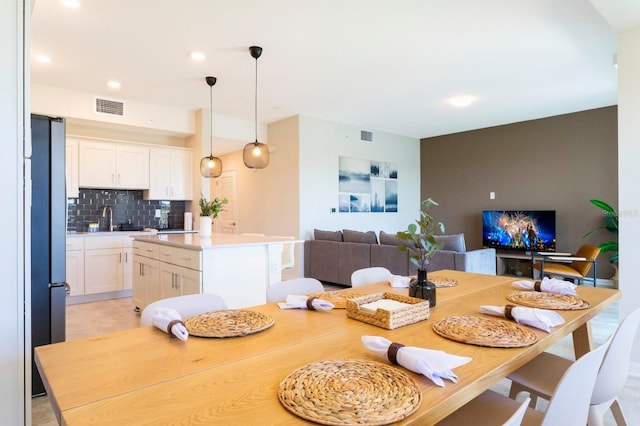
<point>461,101</point>
<point>197,56</point>
<point>70,3</point>
<point>44,59</point>
<point>113,84</point>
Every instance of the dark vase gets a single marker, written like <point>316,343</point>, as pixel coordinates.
<point>423,288</point>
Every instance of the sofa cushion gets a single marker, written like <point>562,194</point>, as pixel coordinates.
<point>350,236</point>
<point>327,235</point>
<point>392,240</point>
<point>453,242</point>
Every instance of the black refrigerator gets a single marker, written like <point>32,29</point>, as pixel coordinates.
<point>48,235</point>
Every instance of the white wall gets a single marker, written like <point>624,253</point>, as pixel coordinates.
<point>80,105</point>
<point>629,174</point>
<point>321,143</point>
<point>13,389</point>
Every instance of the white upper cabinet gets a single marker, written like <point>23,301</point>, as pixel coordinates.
<point>170,174</point>
<point>113,165</point>
<point>71,167</point>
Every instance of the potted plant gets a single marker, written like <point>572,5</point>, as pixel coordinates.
<point>208,212</point>
<point>422,246</point>
<point>610,224</point>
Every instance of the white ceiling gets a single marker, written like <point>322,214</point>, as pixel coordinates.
<point>379,64</point>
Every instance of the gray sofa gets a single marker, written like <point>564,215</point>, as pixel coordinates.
<point>333,255</point>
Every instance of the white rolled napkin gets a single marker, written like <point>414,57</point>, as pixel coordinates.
<point>399,281</point>
<point>435,365</point>
<point>542,319</point>
<point>548,285</point>
<point>170,321</point>
<point>305,302</point>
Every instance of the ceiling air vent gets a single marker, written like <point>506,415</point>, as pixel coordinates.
<point>106,106</point>
<point>366,136</point>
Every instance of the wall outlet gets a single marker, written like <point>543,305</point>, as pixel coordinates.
<point>492,195</point>
<point>158,213</point>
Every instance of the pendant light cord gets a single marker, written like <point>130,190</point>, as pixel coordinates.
<point>211,117</point>
<point>255,111</point>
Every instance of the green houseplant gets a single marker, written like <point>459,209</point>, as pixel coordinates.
<point>422,246</point>
<point>213,208</point>
<point>208,212</point>
<point>610,224</point>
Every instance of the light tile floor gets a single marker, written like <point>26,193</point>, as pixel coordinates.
<point>91,319</point>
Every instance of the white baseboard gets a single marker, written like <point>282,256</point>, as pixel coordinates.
<point>72,300</point>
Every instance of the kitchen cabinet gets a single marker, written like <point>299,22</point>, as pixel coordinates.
<point>161,271</point>
<point>178,281</point>
<point>71,167</point>
<point>146,275</point>
<point>170,174</point>
<point>113,165</point>
<point>75,266</point>
<point>107,264</point>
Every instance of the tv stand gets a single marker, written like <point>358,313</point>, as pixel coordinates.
<point>519,264</point>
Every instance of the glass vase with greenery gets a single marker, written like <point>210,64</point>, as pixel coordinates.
<point>422,247</point>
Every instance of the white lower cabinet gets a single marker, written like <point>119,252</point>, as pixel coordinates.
<point>75,266</point>
<point>178,281</point>
<point>146,275</point>
<point>161,271</point>
<point>104,272</point>
<point>107,264</point>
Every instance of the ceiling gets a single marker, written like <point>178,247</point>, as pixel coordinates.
<point>378,64</point>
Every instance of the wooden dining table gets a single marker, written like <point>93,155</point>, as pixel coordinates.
<point>144,376</point>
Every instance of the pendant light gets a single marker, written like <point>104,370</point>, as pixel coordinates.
<point>255,154</point>
<point>211,167</point>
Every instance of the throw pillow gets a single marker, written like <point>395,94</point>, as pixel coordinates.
<point>453,242</point>
<point>392,240</point>
<point>350,236</point>
<point>327,235</point>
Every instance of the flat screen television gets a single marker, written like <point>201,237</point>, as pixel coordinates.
<point>523,230</point>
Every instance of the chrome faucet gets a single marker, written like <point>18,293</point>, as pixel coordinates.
<point>104,214</point>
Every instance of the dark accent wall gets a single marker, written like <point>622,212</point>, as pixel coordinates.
<point>126,205</point>
<point>555,163</point>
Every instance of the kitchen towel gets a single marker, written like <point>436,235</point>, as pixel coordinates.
<point>542,319</point>
<point>435,365</point>
<point>304,302</point>
<point>170,321</point>
<point>548,285</point>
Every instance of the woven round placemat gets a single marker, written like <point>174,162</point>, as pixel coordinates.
<point>337,297</point>
<point>481,331</point>
<point>229,323</point>
<point>441,281</point>
<point>542,300</point>
<point>350,392</point>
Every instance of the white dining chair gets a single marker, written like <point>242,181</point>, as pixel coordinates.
<point>278,292</point>
<point>569,404</point>
<point>372,275</point>
<point>187,306</point>
<point>518,416</point>
<point>540,376</point>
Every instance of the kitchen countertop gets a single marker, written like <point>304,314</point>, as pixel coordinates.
<point>195,242</point>
<point>147,231</point>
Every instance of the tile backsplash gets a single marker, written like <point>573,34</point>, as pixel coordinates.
<point>126,205</point>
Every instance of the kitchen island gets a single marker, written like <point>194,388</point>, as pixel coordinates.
<point>239,268</point>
